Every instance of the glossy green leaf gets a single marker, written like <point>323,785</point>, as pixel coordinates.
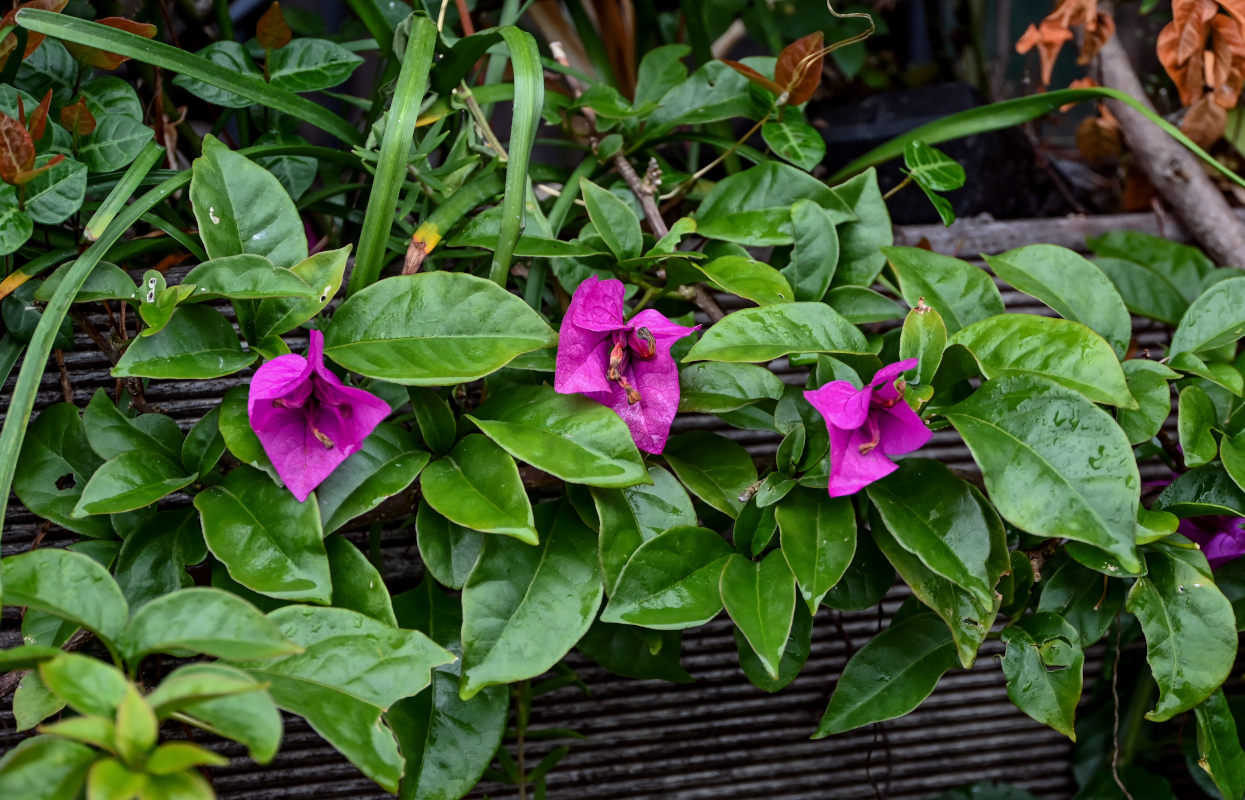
<point>308,65</point>
<point>449,551</point>
<point>816,254</point>
<point>269,542</point>
<point>795,141</point>
<point>924,337</point>
<point>768,227</point>
<point>1219,745</point>
<point>671,581</point>
<point>248,717</point>
<point>931,168</point>
<point>714,468</point>
<point>960,292</point>
<point>861,239</point>
<point>747,278</point>
<point>437,424</point>
<point>433,329</point>
<point>203,445</point>
<point>628,651</point>
<point>55,195</point>
<point>136,727</point>
<point>566,435</point>
<point>88,685</point>
<point>769,185</point>
<point>1148,384</point>
<point>357,584</point>
<point>15,224</point>
<point>33,702</point>
<point>614,220</point>
<point>945,522</point>
<point>818,536</point>
<point>1043,664</point>
<point>868,578</point>
<point>1071,285</point>
<point>1086,600</point>
<point>68,585</point>
<point>387,463</point>
<point>1189,625</point>
<point>794,654</point>
<point>323,273</point>
<point>114,144</point>
<point>1214,319</point>
<point>709,387</point>
<point>763,334</point>
<point>202,620</point>
<point>198,343</point>
<point>525,607</point>
<point>1147,290</point>
<point>760,598</point>
<point>713,92</point>
<point>246,277</point>
<point>1054,464</point>
<point>890,675</point>
<point>106,282</point>
<point>1197,416</point>
<point>45,768</point>
<point>1065,352</point>
<point>131,481</point>
<point>193,683</point>
<point>111,433</point>
<point>477,485</point>
<point>227,55</point>
<point>55,464</point>
<point>1186,270</point>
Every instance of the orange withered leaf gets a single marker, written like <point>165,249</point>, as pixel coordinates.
<point>1095,38</point>
<point>1100,138</point>
<point>33,40</point>
<point>78,119</point>
<point>1205,122</point>
<point>1181,43</point>
<point>272,31</point>
<point>102,59</point>
<point>1048,38</point>
<point>17,151</point>
<point>752,75</point>
<point>798,70</point>
<point>38,120</point>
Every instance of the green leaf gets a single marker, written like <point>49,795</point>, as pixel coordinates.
<point>945,522</point>
<point>632,516</point>
<point>760,598</point>
<point>769,185</point>
<point>136,727</point>
<point>794,654</point>
<point>100,732</point>
<point>671,581</point>
<point>1189,626</point>
<point>710,387</point>
<point>1187,268</point>
<point>861,239</point>
<point>477,485</point>
<point>816,253</point>
<point>1086,600</point>
<point>1071,285</point>
<point>749,279</point>
<point>525,607</point>
<point>1205,490</point>
<point>111,433</point>
<point>55,464</point>
<point>960,292</point>
<point>45,768</point>
<point>1197,416</point>
<point>225,76</point>
<point>924,337</point>
<point>1214,319</point>
<point>861,306</point>
<point>193,683</point>
<point>628,651</point>
<point>449,551</point>
<point>86,684</point>
<point>388,461</point>
<point>242,209</point>
<point>1232,455</point>
<point>248,717</point>
<point>296,173</point>
<point>661,69</point>
<point>203,445</point>
<point>714,468</point>
<point>890,675</point>
<point>15,224</point>
<point>614,221</point>
<point>323,273</point>
<point>932,169</point>
<point>176,756</point>
<point>269,542</point>
<point>351,669</point>
<point>1148,384</point>
<point>1043,664</point>
<point>108,94</point>
<point>818,537</point>
<point>969,622</point>
<point>433,329</point>
<point>795,141</point>
<point>106,282</point>
<point>131,481</point>
<point>55,195</point>
<point>357,584</point>
<point>198,343</point>
<point>308,65</point>
<point>228,55</point>
<point>114,144</point>
<point>1054,464</point>
<point>1219,745</point>
<point>246,277</point>
<point>447,742</point>
<point>568,436</point>
<point>202,620</point>
<point>68,585</point>
<point>763,334</point>
<point>868,578</point>
<point>1147,291</point>
<point>765,227</point>
<point>437,423</point>
<point>33,702</point>
<point>1065,352</point>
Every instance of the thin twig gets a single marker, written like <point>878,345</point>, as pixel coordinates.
<point>66,386</point>
<point>1115,710</point>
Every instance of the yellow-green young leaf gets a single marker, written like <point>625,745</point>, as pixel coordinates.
<point>760,598</point>
<point>322,272</point>
<point>1054,464</point>
<point>136,728</point>
<point>1065,352</point>
<point>890,675</point>
<point>176,756</point>
<point>204,695</point>
<point>1043,664</point>
<point>87,685</point>
<point>99,732</point>
<point>45,768</point>
<point>1189,625</point>
<point>109,779</point>
<point>924,337</point>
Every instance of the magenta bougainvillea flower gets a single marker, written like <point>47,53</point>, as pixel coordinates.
<point>306,419</point>
<point>1221,538</point>
<point>624,364</point>
<point>867,425</point>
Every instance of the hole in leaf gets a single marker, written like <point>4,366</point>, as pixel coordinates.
<point>66,481</point>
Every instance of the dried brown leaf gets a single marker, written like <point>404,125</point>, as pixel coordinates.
<point>271,30</point>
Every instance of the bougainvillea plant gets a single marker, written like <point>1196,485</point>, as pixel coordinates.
<point>414,324</point>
